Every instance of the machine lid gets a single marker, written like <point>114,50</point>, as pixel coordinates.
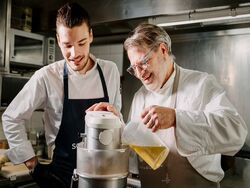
<point>102,120</point>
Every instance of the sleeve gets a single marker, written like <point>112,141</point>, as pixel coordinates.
<point>17,113</point>
<point>214,127</point>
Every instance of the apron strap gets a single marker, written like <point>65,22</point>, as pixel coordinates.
<point>103,82</point>
<point>175,86</point>
<point>65,81</point>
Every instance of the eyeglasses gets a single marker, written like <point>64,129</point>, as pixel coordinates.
<point>142,65</point>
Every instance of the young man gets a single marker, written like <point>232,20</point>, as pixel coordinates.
<point>64,89</point>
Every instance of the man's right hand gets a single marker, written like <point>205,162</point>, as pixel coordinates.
<point>103,106</point>
<point>31,163</point>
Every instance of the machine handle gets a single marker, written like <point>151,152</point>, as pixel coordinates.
<point>74,179</point>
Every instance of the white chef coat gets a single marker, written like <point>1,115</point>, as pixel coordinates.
<point>45,90</point>
<point>207,124</point>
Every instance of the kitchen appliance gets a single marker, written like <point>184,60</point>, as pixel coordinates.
<point>102,162</point>
<point>30,49</point>
<point>50,50</point>
<point>10,85</point>
<point>103,130</point>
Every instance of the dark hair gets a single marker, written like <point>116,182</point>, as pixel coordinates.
<point>72,14</point>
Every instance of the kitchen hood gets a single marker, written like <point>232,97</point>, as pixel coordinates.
<point>114,17</point>
<point>120,16</point>
<point>207,17</point>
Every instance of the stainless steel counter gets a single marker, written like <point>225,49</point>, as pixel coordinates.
<point>238,176</point>
<point>15,176</point>
<point>20,182</point>
<point>133,183</point>
<point>234,178</point>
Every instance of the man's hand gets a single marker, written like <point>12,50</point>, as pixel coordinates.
<point>103,106</point>
<point>31,163</point>
<point>158,117</point>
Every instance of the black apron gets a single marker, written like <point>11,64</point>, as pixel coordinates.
<point>176,171</point>
<point>59,172</point>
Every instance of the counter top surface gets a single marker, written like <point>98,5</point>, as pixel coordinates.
<point>10,171</point>
<point>11,175</point>
<point>19,174</point>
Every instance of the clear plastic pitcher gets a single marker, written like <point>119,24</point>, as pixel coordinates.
<point>145,143</point>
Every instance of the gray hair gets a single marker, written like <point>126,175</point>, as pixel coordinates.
<point>148,35</point>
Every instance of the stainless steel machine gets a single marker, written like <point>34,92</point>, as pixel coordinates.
<point>102,161</point>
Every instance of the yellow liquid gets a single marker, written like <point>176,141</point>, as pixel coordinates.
<point>154,156</point>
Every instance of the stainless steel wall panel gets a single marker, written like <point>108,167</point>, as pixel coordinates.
<point>224,54</point>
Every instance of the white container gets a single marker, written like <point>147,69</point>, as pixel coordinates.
<point>103,130</point>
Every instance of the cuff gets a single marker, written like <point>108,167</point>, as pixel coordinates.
<point>21,153</point>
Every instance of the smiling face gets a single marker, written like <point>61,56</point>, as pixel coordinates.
<point>75,44</point>
<point>157,71</point>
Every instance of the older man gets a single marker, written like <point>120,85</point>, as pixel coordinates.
<point>197,121</point>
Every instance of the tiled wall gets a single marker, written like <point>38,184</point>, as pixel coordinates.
<point>112,52</point>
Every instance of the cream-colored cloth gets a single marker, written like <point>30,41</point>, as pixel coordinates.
<point>3,160</point>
